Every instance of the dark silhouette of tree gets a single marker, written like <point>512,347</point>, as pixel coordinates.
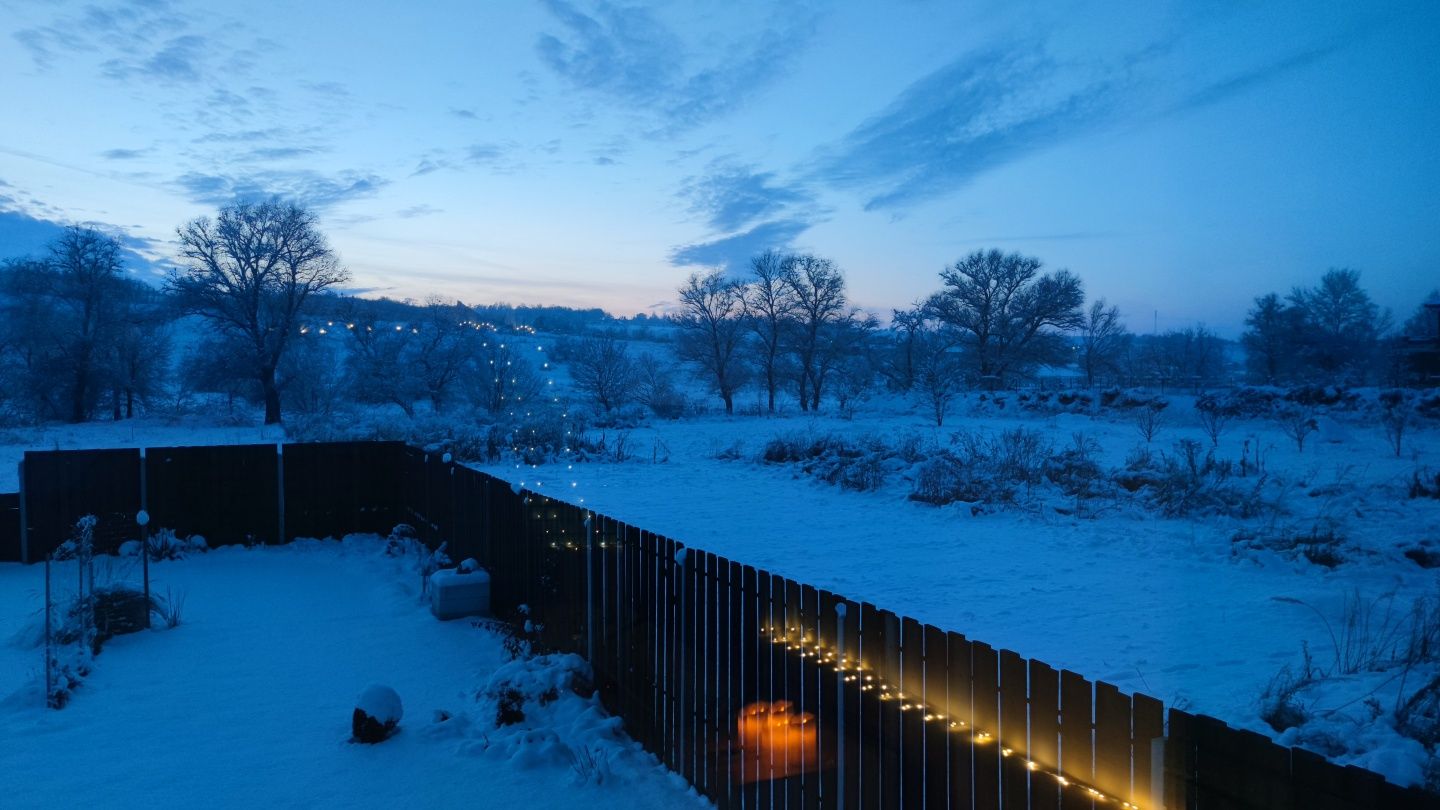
<point>818,289</point>
<point>1339,326</point>
<point>770,310</point>
<point>602,369</point>
<point>251,271</point>
<point>712,331</point>
<point>1269,339</point>
<point>1103,338</point>
<point>1009,313</point>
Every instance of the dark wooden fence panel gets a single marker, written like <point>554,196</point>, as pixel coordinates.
<point>228,494</point>
<point>10,527</point>
<point>61,486</point>
<point>334,489</point>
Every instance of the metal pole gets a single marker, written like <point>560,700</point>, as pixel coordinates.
<point>840,708</point>
<point>589,589</point>
<point>49,650</point>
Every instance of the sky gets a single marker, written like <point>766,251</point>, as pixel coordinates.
<point>1181,158</point>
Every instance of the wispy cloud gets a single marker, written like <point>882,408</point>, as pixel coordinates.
<point>308,187</point>
<point>124,154</point>
<point>420,210</point>
<point>734,252</point>
<point>978,112</point>
<point>627,53</point>
<point>731,197</point>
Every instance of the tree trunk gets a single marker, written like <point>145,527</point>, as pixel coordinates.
<point>129,404</point>
<point>115,405</point>
<point>729,403</point>
<point>77,395</point>
<point>272,396</point>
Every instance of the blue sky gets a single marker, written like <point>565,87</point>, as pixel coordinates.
<point>1180,158</point>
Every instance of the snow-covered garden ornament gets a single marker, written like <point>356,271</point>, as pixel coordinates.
<point>377,714</point>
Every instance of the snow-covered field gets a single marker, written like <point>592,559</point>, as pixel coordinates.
<point>247,703</point>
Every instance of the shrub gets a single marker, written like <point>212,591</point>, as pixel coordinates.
<point>1297,422</point>
<point>1424,484</point>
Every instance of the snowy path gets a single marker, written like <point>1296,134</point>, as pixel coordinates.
<point>248,702</point>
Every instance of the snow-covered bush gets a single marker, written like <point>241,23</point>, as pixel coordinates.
<point>1187,481</point>
<point>983,468</point>
<point>164,544</point>
<point>1126,400</point>
<point>377,714</point>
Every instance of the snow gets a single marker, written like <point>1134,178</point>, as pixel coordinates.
<point>248,701</point>
<point>381,702</point>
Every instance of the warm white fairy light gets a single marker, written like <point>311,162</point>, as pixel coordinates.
<point>795,639</point>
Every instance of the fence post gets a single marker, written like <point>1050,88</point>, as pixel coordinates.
<point>24,515</point>
<point>840,706</point>
<point>589,590</point>
<point>280,492</point>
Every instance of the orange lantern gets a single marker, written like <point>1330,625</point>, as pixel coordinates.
<point>776,742</point>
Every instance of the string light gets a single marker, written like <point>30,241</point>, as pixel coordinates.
<point>796,639</point>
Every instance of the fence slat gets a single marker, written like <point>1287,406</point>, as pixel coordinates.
<point>1013,735</point>
<point>1045,736</point>
<point>1148,725</point>
<point>961,723</point>
<point>1077,746</point>
<point>891,751</point>
<point>912,721</point>
<point>985,695</point>
<point>872,648</point>
<point>1112,740</point>
<point>937,698</point>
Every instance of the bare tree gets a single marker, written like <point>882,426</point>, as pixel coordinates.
<point>712,331</point>
<point>939,371</point>
<point>138,357</point>
<point>376,363</point>
<point>1149,419</point>
<point>251,271</point>
<point>442,347</point>
<point>602,369</point>
<point>1298,423</point>
<point>1395,417</point>
<point>1008,312</point>
<point>87,267</point>
<point>1102,341</point>
<point>769,308</point>
<point>906,326</point>
<point>819,292</point>
<point>1214,418</point>
<point>506,377</point>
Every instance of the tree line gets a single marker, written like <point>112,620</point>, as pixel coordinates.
<point>1000,318</point>
<point>80,339</point>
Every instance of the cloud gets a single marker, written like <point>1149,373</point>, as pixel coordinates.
<point>626,53</point>
<point>124,154</point>
<point>178,60</point>
<point>23,235</point>
<point>485,153</point>
<point>978,112</point>
<point>280,152</point>
<point>734,252</point>
<point>466,114</point>
<point>420,210</point>
<point>1240,82</point>
<point>306,187</point>
<point>731,197</point>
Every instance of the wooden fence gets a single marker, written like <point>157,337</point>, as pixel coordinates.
<point>761,691</point>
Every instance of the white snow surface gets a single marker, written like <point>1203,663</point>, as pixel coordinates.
<point>248,701</point>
